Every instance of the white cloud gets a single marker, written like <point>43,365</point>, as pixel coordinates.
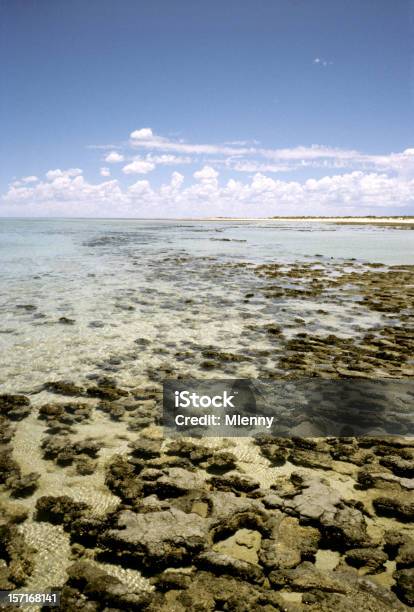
<point>322,62</point>
<point>253,166</point>
<point>58,173</point>
<point>206,174</point>
<point>138,167</point>
<point>168,159</point>
<point>114,157</point>
<point>240,157</point>
<point>352,183</point>
<point>356,192</point>
<point>139,188</point>
<point>142,134</point>
<point>146,139</point>
<point>177,180</point>
<point>25,180</point>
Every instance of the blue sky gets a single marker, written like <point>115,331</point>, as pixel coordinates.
<point>315,97</point>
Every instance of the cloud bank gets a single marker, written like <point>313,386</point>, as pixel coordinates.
<point>229,179</point>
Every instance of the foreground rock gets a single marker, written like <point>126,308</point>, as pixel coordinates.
<point>157,539</point>
<point>16,556</point>
<point>14,407</point>
<point>90,588</point>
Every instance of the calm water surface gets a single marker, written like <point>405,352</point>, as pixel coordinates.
<point>78,296</point>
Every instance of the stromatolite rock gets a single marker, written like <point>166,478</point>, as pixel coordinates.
<point>196,453</point>
<point>173,482</point>
<point>91,588</point>
<point>306,577</point>
<point>145,448</point>
<point>156,540</point>
<point>12,512</point>
<point>68,413</point>
<point>315,499</point>
<point>59,510</point>
<point>64,451</point>
<point>346,529</point>
<point>405,556</point>
<point>341,590</point>
<point>289,543</point>
<point>371,559</point>
<point>398,465</point>
<point>310,459</point>
<point>208,592</point>
<point>66,321</point>
<point>234,482</point>
<point>115,411</point>
<point>173,578</point>
<point>106,390</point>
<point>12,478</point>
<point>243,544</point>
<point>342,525</point>
<point>23,485</point>
<point>400,507</point>
<point>63,387</point>
<point>6,430</point>
<point>274,449</point>
<point>85,465</point>
<point>219,462</point>
<point>17,557</point>
<point>122,478</point>
<point>405,585</point>
<point>9,468</point>
<point>227,509</point>
<point>220,564</point>
<point>14,407</point>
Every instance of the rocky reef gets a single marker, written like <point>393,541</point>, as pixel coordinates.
<point>97,503</point>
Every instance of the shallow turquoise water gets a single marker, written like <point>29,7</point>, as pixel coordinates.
<point>120,280</point>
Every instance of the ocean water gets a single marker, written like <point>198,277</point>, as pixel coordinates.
<point>139,300</point>
<point>80,298</point>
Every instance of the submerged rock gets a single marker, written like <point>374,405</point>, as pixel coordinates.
<point>12,512</point>
<point>401,508</point>
<point>90,588</point>
<point>220,564</point>
<point>14,407</point>
<point>64,451</point>
<point>59,510</point>
<point>122,479</point>
<point>371,559</point>
<point>61,387</point>
<point>17,558</point>
<point>106,390</point>
<point>405,585</point>
<point>23,486</point>
<point>156,540</point>
<point>342,525</point>
<point>9,468</point>
<point>289,543</point>
<point>66,321</point>
<point>68,413</point>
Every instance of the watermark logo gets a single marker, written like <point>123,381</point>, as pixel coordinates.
<point>186,399</point>
<point>307,407</point>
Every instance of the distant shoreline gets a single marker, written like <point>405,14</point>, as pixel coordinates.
<point>405,221</point>
<point>338,220</point>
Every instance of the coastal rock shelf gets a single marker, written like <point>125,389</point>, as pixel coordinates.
<point>249,515</point>
<point>94,500</point>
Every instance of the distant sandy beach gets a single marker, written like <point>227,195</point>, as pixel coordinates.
<point>341,220</point>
